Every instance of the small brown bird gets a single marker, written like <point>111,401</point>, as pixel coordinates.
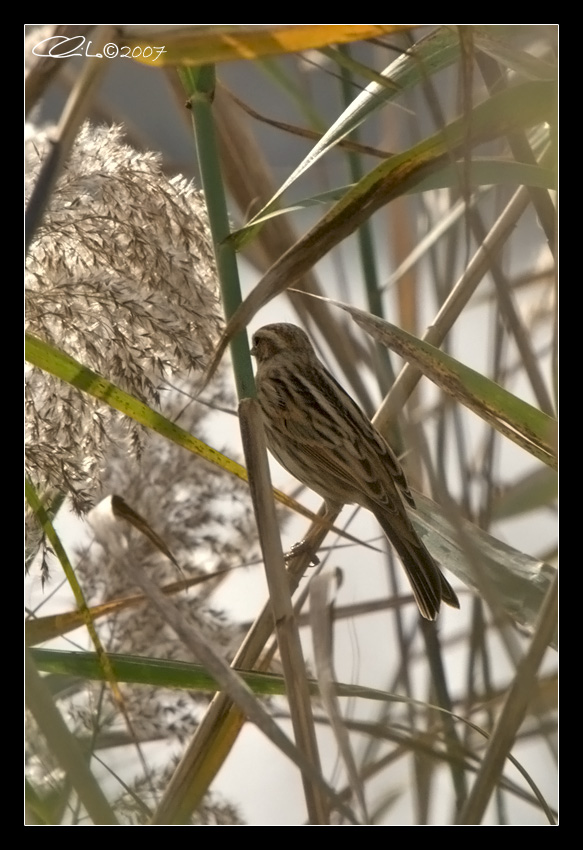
<point>320,435</point>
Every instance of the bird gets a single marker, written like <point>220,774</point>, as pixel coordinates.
<point>318,433</point>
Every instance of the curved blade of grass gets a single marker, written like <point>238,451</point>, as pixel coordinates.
<point>481,172</point>
<point>162,673</point>
<point>517,420</point>
<point>323,591</point>
<point>63,366</point>
<point>437,51</point>
<point>520,107</point>
<point>430,55</point>
<point>520,582</point>
<point>188,676</point>
<point>182,675</point>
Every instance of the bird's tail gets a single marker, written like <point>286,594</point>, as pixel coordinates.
<point>429,585</point>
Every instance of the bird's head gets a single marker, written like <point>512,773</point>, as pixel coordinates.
<point>273,341</point>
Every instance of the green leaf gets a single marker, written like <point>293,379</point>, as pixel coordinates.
<point>519,421</point>
<point>517,108</point>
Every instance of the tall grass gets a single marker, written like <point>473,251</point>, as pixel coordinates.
<point>413,235</point>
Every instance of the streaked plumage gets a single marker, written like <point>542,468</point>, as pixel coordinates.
<point>317,432</point>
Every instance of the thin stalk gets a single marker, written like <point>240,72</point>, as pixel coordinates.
<point>199,84</point>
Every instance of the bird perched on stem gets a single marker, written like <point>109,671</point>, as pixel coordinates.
<point>320,435</point>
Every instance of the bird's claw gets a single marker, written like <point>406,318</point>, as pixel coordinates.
<point>302,548</point>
